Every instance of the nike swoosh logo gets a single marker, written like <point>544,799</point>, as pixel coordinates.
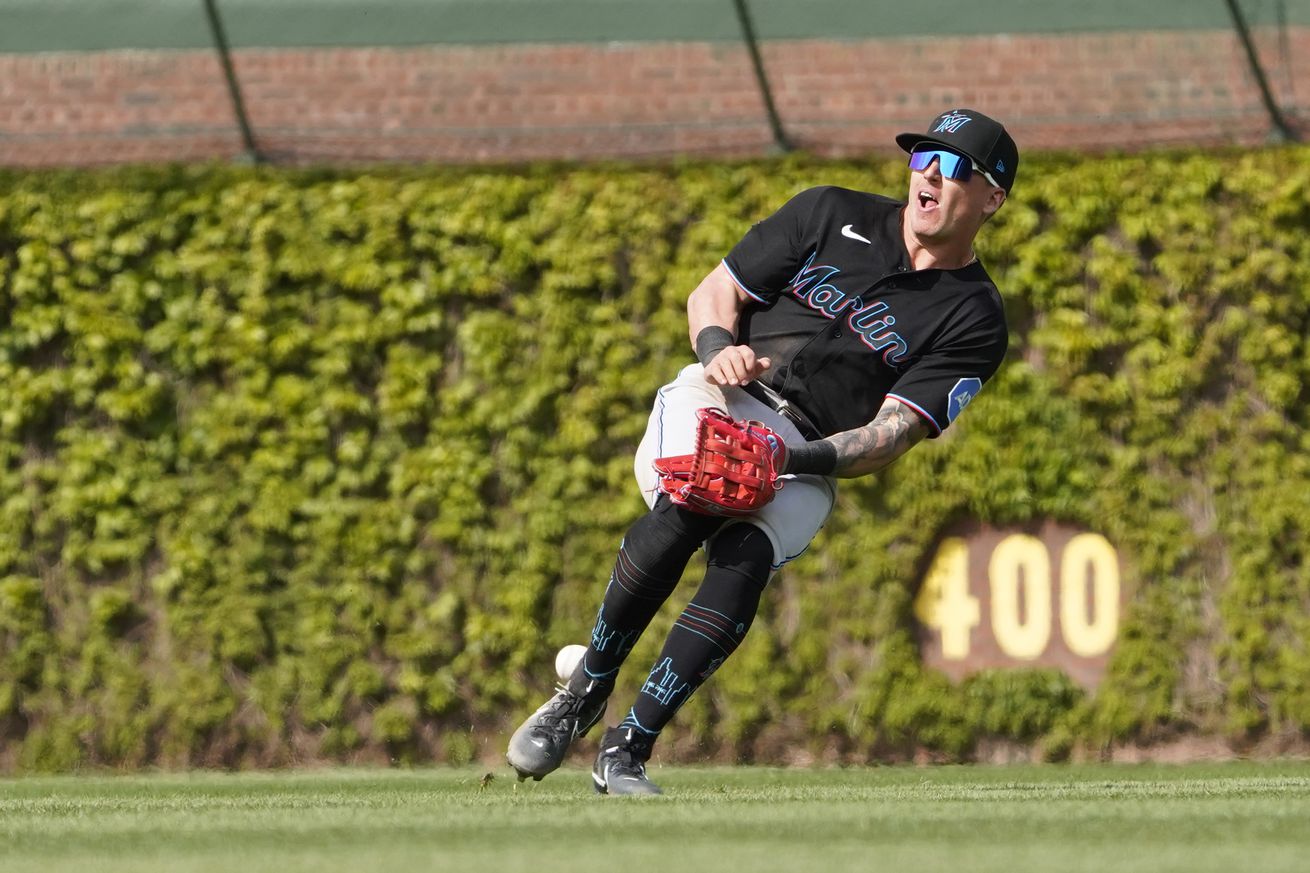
<point>850,234</point>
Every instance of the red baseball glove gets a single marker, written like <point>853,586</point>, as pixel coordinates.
<point>734,470</point>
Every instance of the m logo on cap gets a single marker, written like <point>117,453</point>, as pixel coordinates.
<point>951,123</point>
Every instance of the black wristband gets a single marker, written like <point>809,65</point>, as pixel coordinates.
<point>818,457</point>
<point>710,341</point>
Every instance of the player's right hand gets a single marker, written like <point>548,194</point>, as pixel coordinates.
<point>735,365</point>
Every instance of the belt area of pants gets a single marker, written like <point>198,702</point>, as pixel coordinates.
<point>779,404</point>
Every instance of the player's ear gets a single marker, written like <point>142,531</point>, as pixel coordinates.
<point>993,202</point>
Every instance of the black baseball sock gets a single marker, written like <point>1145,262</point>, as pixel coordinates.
<point>651,559</point>
<point>710,628</point>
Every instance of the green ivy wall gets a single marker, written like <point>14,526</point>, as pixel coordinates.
<point>305,466</point>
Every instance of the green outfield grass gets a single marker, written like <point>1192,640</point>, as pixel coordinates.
<point>1217,817</point>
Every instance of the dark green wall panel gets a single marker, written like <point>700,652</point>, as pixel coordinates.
<point>79,25</point>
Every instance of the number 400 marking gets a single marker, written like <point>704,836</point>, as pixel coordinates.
<point>1019,572</point>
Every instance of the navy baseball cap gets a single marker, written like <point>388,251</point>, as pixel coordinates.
<point>971,133</point>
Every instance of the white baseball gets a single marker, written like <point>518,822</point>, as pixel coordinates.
<point>567,660</point>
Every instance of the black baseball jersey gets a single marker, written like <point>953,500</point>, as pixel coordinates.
<point>847,323</point>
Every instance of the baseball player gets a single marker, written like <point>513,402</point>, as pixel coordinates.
<point>837,334</point>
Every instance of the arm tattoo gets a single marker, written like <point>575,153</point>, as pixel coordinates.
<point>892,433</point>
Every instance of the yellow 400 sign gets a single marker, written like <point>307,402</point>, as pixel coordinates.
<point>993,598</point>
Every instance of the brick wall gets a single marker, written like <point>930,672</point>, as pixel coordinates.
<point>640,100</point>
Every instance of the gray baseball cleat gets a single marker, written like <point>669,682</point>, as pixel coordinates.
<point>621,765</point>
<point>539,745</point>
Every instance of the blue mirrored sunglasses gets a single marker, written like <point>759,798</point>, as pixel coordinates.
<point>953,165</point>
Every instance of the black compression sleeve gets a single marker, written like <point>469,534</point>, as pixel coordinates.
<point>818,457</point>
<point>710,341</point>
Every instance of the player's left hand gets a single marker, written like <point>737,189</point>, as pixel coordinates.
<point>735,365</point>
<point>735,470</point>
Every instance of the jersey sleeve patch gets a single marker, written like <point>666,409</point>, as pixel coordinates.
<point>958,398</point>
